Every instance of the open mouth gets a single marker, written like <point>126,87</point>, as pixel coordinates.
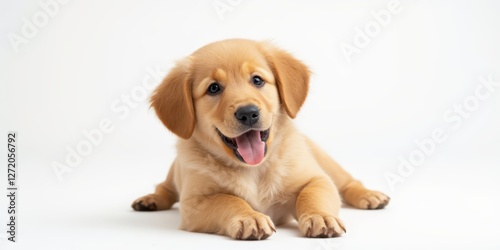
<point>249,147</point>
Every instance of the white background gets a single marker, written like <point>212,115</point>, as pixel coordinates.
<point>366,113</point>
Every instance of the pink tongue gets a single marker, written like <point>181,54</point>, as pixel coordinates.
<point>251,147</point>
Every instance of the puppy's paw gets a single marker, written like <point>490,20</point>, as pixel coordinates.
<point>321,226</point>
<point>359,197</point>
<point>255,227</point>
<point>151,202</point>
<point>372,200</point>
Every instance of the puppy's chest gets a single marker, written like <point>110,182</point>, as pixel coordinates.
<point>261,191</point>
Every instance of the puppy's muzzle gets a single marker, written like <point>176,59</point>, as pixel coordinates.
<point>247,115</point>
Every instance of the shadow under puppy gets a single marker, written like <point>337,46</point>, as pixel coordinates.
<point>241,166</point>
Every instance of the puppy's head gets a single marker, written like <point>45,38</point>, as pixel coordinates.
<point>230,96</point>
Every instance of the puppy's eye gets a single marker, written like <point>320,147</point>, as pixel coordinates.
<point>214,89</point>
<point>257,81</point>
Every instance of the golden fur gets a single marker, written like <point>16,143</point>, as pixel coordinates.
<point>219,193</point>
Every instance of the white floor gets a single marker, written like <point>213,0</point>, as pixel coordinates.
<point>438,207</point>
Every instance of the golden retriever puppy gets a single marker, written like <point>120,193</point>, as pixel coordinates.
<point>241,166</point>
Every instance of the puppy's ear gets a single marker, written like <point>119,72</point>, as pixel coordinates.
<point>173,101</point>
<point>292,78</point>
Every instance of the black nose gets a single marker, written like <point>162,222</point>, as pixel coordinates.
<point>247,115</point>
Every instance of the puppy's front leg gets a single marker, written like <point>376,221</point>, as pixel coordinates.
<point>317,209</point>
<point>225,214</point>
